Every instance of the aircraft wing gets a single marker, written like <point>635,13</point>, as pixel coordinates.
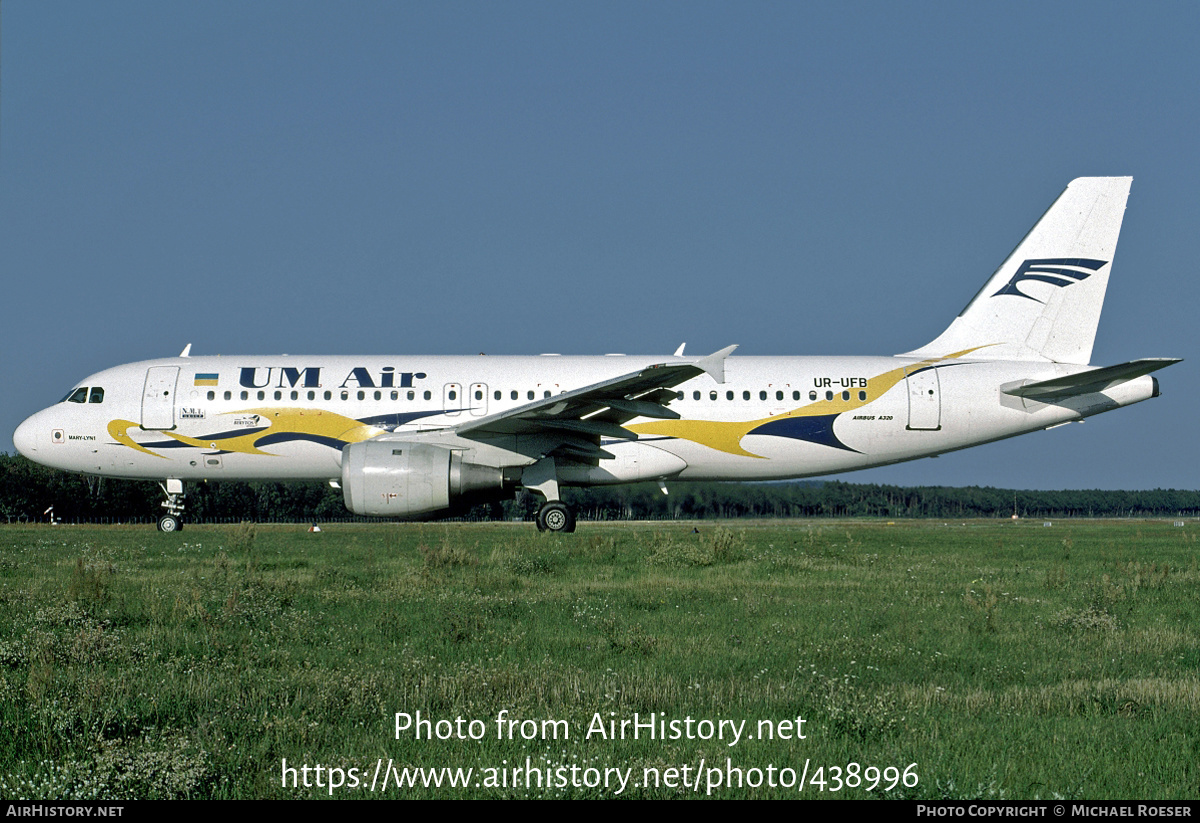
<point>1096,380</point>
<point>577,419</point>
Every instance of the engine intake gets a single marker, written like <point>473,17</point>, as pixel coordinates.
<point>398,479</point>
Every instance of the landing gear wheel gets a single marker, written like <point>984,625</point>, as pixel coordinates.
<point>556,517</point>
<point>172,521</point>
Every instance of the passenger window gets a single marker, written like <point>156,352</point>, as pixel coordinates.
<point>828,395</point>
<point>795,395</point>
<point>362,395</point>
<point>728,395</point>
<point>453,395</point>
<point>97,395</point>
<point>212,395</point>
<point>497,394</point>
<point>295,394</point>
<point>245,395</point>
<point>228,395</point>
<point>812,395</point>
<point>479,395</point>
<point>678,395</point>
<point>378,395</point>
<point>712,395</point>
<point>77,396</point>
<point>345,394</point>
<point>328,394</point>
<point>762,395</point>
<point>778,395</point>
<point>278,395</point>
<point>412,395</point>
<point>862,395</point>
<point>546,394</point>
<point>262,395</point>
<point>312,395</point>
<point>428,395</point>
<point>845,395</point>
<point>746,394</point>
<point>514,394</point>
<point>695,395</point>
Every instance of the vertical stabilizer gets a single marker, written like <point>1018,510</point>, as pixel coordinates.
<point>1044,301</point>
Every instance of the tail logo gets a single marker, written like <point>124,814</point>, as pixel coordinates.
<point>1057,271</point>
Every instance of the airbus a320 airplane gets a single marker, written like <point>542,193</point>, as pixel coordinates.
<point>423,436</point>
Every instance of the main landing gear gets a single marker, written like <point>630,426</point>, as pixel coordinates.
<point>554,515</point>
<point>172,521</point>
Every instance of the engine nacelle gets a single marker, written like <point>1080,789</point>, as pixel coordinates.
<point>399,479</point>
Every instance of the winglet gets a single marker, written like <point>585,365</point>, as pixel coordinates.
<point>714,364</point>
<point>187,351</point>
<point>679,351</point>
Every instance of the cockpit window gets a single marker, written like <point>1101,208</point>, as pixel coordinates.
<point>77,396</point>
<point>97,395</point>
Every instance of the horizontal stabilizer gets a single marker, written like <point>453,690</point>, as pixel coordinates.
<point>1088,382</point>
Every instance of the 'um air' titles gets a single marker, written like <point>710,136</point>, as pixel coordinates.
<point>286,377</point>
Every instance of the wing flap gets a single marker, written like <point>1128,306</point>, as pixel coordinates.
<point>593,426</point>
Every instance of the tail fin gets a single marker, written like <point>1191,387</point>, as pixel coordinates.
<point>1044,301</point>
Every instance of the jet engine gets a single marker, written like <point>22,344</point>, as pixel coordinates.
<point>401,479</point>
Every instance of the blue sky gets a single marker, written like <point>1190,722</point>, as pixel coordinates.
<point>411,178</point>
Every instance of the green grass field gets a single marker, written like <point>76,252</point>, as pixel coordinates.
<point>926,659</point>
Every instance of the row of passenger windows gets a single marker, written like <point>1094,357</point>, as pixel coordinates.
<point>762,395</point>
<point>85,395</point>
<point>96,395</point>
<point>80,395</point>
<point>361,394</point>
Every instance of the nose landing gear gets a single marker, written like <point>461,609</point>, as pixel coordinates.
<point>172,521</point>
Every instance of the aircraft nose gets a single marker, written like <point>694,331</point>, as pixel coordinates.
<point>25,440</point>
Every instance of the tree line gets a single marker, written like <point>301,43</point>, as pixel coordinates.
<point>33,493</point>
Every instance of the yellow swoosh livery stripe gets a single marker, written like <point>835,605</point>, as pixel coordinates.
<point>313,422</point>
<point>287,421</point>
<point>727,436</point>
<point>118,430</point>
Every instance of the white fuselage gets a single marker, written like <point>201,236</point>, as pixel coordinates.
<point>289,417</point>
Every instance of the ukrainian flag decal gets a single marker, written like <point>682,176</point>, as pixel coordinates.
<point>206,379</point>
